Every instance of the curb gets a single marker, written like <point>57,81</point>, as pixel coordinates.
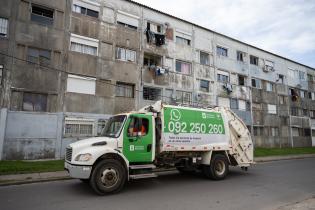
<point>19,179</point>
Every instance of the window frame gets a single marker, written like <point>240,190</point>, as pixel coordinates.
<point>39,58</point>
<point>222,51</point>
<point>151,90</point>
<point>4,28</point>
<point>201,86</point>
<point>125,86</point>
<point>38,18</point>
<point>124,58</point>
<point>43,95</point>
<point>183,62</point>
<point>254,60</point>
<point>207,55</point>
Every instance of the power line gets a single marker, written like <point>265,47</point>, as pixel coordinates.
<point>184,102</point>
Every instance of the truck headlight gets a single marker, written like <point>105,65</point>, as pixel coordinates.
<point>83,157</point>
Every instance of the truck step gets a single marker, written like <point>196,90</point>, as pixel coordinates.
<point>146,166</point>
<point>143,176</point>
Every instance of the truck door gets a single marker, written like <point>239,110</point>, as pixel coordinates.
<point>138,138</point>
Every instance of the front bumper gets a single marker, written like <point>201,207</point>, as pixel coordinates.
<point>77,171</point>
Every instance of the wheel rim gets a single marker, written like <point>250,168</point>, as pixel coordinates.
<point>219,167</point>
<point>109,177</point>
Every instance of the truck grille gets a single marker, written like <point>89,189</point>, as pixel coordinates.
<point>68,153</point>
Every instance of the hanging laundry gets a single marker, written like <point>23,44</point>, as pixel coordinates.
<point>150,36</point>
<point>159,39</point>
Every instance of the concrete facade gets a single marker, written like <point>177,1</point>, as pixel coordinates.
<point>80,61</point>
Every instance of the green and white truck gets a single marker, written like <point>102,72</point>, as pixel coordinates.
<point>133,145</point>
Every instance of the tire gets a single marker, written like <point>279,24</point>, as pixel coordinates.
<point>108,176</point>
<point>218,168</point>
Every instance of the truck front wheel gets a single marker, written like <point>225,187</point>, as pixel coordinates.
<point>108,176</point>
<point>218,168</point>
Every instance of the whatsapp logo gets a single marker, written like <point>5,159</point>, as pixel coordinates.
<point>175,115</point>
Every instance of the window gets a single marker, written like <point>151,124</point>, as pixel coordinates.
<point>302,93</point>
<point>34,102</point>
<point>302,75</point>
<point>296,132</point>
<point>125,54</point>
<point>274,131</point>
<point>138,127</point>
<point>38,56</point>
<point>310,78</point>
<point>151,60</point>
<point>305,112</point>
<point>233,103</point>
<point>182,41</point>
<point>258,131</point>
<point>84,85</point>
<point>79,127</point>
<point>256,83</point>
<point>222,76</point>
<point>183,97</point>
<point>85,11</point>
<point>183,67</point>
<point>153,94</point>
<point>240,56</point>
<point>247,106</point>
<point>124,90</point>
<point>241,80</point>
<point>42,15</point>
<point>224,102</point>
<point>168,97</point>
<point>127,20</point>
<point>101,123</point>
<point>3,27</point>
<point>280,79</point>
<point>312,114</point>
<point>269,86</point>
<point>242,105</point>
<point>204,58</point>
<point>221,51</point>
<point>84,45</point>
<point>204,85</point>
<point>1,74</point>
<point>254,60</point>
<point>272,109</point>
<point>155,28</point>
<point>281,100</point>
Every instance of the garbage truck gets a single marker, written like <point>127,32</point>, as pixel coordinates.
<point>135,145</point>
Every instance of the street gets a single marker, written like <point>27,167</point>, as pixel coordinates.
<point>265,186</point>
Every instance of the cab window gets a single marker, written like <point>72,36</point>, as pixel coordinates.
<point>138,127</point>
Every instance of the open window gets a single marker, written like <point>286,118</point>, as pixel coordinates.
<point>138,127</point>
<point>152,60</point>
<point>42,15</point>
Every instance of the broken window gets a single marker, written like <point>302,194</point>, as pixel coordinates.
<point>38,56</point>
<point>240,56</point>
<point>183,97</point>
<point>204,58</point>
<point>241,80</point>
<point>221,51</point>
<point>256,83</point>
<point>85,11</point>
<point>182,41</point>
<point>153,94</point>
<point>204,85</point>
<point>42,15</point>
<point>125,54</point>
<point>254,60</point>
<point>183,67</point>
<point>3,27</point>
<point>34,102</point>
<point>124,90</point>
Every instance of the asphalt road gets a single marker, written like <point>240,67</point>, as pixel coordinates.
<point>264,186</point>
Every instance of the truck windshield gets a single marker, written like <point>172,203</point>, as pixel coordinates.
<point>113,126</point>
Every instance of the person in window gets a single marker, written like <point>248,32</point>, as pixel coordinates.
<point>138,127</point>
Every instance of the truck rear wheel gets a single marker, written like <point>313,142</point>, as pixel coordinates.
<point>108,176</point>
<point>218,168</point>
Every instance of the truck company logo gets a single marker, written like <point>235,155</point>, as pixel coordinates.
<point>175,115</point>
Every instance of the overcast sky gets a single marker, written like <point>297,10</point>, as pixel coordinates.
<point>285,27</point>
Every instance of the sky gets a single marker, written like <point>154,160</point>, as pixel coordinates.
<point>284,27</point>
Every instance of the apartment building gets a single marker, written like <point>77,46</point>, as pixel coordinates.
<point>69,65</point>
